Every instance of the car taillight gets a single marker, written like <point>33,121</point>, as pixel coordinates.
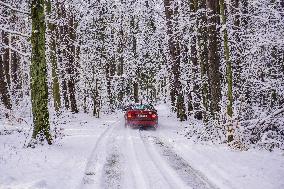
<point>129,115</point>
<point>153,115</point>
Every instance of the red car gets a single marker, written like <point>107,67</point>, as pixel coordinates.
<point>141,116</point>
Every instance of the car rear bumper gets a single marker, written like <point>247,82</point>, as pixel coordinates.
<point>142,123</point>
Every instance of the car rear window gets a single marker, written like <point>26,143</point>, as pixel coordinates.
<point>142,107</point>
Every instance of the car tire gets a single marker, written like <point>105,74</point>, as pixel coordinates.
<point>155,127</point>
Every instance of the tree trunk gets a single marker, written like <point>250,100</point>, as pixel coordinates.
<point>61,33</point>
<point>202,52</point>
<point>237,82</point>
<point>213,57</point>
<point>53,59</point>
<point>195,95</point>
<point>96,100</point>
<point>177,96</point>
<point>229,75</point>
<point>6,57</point>
<point>4,92</point>
<point>5,80</point>
<point>15,69</point>
<point>71,64</point>
<point>245,13</point>
<point>66,56</point>
<point>65,94</point>
<point>136,91</point>
<point>39,88</point>
<point>109,74</point>
<point>120,67</point>
<point>16,85</point>
<point>137,79</point>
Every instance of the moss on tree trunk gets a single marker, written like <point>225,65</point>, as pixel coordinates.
<point>39,89</point>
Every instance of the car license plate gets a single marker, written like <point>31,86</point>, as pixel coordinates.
<point>142,115</point>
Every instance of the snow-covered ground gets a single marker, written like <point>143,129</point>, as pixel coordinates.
<point>101,153</point>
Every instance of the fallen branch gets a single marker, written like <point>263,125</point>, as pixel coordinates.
<point>272,115</point>
<point>261,122</point>
<point>258,127</point>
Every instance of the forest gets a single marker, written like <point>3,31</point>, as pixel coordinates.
<point>219,64</point>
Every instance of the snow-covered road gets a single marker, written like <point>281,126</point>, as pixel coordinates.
<point>101,153</point>
<point>127,158</point>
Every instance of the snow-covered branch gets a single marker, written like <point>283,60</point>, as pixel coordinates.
<point>262,121</point>
<point>14,32</point>
<point>16,50</point>
<point>13,8</point>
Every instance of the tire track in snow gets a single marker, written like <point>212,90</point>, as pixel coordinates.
<point>226,183</point>
<point>95,164</point>
<point>136,172</point>
<point>192,177</point>
<point>112,171</point>
<point>152,176</point>
<point>169,174</point>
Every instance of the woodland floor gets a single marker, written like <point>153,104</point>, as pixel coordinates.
<point>101,153</point>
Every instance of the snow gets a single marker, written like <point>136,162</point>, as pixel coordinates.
<point>101,153</point>
<point>58,166</point>
<point>12,8</point>
<point>14,32</point>
<point>227,168</point>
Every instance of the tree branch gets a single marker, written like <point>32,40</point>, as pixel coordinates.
<point>14,32</point>
<point>12,8</point>
<point>16,50</point>
<point>261,122</point>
